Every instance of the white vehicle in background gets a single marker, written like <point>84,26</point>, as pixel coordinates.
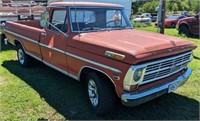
<point>147,15</point>
<point>142,19</point>
<point>126,3</point>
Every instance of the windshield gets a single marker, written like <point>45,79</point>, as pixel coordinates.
<point>98,19</point>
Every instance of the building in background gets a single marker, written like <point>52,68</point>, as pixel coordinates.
<point>126,3</point>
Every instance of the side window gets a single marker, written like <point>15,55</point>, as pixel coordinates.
<point>59,20</point>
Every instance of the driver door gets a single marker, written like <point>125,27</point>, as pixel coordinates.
<point>54,43</point>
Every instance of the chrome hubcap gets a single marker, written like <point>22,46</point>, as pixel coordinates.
<point>92,92</point>
<point>21,56</point>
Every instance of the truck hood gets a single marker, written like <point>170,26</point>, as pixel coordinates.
<point>136,45</point>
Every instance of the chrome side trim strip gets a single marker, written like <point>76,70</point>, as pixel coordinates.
<point>83,59</point>
<point>21,36</point>
<point>53,48</point>
<point>93,62</point>
<point>48,64</point>
<point>60,70</point>
<point>69,54</point>
<point>37,58</point>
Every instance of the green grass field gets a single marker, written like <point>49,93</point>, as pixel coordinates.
<point>39,92</point>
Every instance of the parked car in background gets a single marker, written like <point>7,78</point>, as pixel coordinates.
<point>142,19</point>
<point>189,25</point>
<point>172,20</point>
<point>152,16</point>
<point>148,15</point>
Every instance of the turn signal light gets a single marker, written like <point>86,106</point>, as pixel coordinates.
<point>114,55</point>
<point>133,87</point>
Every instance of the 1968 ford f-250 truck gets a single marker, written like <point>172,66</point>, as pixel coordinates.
<point>96,43</point>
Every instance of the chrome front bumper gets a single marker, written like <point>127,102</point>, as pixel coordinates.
<point>129,99</point>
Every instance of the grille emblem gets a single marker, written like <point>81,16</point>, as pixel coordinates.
<point>173,67</point>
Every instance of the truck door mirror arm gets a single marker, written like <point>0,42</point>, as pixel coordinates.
<point>66,35</point>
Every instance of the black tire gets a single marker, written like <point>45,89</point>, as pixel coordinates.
<point>23,58</point>
<point>106,96</point>
<point>173,25</point>
<point>2,37</point>
<point>184,30</point>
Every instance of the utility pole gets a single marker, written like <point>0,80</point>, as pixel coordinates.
<point>0,42</point>
<point>162,28</point>
<point>161,16</point>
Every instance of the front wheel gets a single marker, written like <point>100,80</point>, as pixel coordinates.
<point>101,95</point>
<point>23,58</point>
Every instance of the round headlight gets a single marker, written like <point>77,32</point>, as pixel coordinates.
<point>137,75</point>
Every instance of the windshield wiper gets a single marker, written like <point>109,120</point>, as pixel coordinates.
<point>123,27</point>
<point>91,28</point>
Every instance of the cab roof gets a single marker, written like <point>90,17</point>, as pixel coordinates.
<point>82,4</point>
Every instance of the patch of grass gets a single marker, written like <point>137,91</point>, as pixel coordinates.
<point>39,92</point>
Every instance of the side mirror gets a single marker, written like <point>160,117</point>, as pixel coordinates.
<point>44,19</point>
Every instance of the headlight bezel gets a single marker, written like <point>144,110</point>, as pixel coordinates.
<point>129,77</point>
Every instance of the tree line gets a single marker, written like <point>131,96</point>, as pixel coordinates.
<point>172,6</point>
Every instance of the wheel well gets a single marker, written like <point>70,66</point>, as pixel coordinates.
<point>17,42</point>
<point>86,70</point>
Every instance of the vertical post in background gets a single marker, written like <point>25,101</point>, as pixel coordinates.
<point>0,42</point>
<point>1,34</point>
<point>162,29</point>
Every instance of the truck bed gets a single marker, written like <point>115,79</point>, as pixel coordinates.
<point>30,29</point>
<point>23,31</point>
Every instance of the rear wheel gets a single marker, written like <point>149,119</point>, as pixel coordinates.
<point>184,30</point>
<point>101,95</point>
<point>23,58</point>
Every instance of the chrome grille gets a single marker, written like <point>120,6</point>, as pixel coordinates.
<point>165,67</point>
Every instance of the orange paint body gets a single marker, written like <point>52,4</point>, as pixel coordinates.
<point>78,50</point>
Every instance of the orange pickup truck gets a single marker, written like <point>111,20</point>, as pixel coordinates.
<point>96,43</point>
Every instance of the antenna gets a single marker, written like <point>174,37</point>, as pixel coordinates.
<point>76,17</point>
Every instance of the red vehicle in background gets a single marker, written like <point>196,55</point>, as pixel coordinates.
<point>189,25</point>
<point>172,20</point>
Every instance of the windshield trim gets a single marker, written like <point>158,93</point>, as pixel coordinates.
<point>107,29</point>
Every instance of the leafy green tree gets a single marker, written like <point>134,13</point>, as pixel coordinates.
<point>175,8</point>
<point>136,5</point>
